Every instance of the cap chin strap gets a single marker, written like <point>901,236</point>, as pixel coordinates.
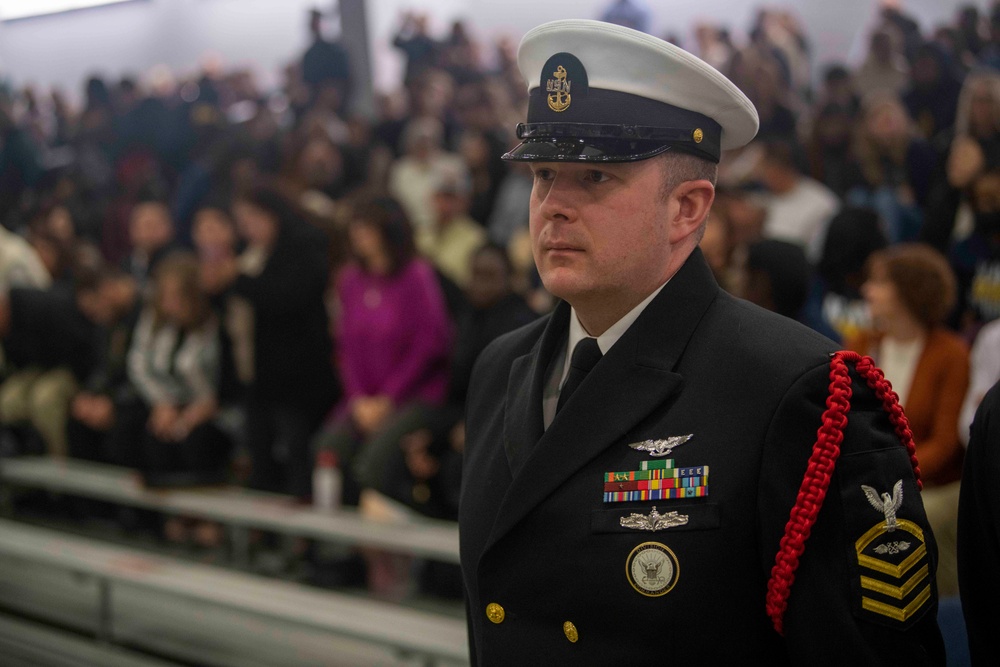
<point>820,470</point>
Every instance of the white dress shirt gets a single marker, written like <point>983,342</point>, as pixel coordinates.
<point>550,398</point>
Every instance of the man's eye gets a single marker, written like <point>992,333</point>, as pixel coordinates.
<point>596,176</point>
<point>543,174</point>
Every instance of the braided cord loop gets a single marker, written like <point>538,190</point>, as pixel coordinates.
<point>819,470</point>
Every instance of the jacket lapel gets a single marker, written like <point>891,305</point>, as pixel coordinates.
<point>629,383</point>
<point>523,420</point>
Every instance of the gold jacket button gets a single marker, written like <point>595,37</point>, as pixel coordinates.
<point>495,612</point>
<point>570,631</point>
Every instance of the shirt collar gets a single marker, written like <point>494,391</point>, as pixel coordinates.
<point>607,339</point>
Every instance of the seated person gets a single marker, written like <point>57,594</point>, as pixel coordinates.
<point>426,440</point>
<point>94,430</point>
<point>392,339</point>
<point>49,344</point>
<point>425,470</point>
<point>174,365</point>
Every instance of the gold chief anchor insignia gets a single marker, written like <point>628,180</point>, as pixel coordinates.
<point>558,90</point>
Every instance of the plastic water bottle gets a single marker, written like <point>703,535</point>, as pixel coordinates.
<point>328,483</point>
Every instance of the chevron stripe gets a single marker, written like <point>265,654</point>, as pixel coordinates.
<point>900,614</point>
<point>898,592</point>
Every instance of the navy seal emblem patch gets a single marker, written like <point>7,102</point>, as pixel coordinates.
<point>652,569</point>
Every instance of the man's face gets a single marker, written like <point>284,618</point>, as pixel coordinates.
<point>599,232</point>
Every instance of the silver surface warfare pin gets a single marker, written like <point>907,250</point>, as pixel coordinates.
<point>886,504</point>
<point>661,447</point>
<point>653,521</point>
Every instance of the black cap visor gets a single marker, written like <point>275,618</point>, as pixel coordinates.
<point>579,149</point>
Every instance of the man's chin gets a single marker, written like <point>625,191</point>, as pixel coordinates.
<point>564,284</point>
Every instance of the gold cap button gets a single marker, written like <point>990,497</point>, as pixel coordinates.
<point>570,631</point>
<point>495,612</point>
<point>698,135</point>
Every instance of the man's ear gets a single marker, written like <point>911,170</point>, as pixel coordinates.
<point>690,203</point>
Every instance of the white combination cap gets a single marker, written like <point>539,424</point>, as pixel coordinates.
<point>601,92</point>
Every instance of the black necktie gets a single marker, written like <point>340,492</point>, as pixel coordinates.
<point>585,355</point>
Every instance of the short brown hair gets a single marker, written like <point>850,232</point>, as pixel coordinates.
<point>682,167</point>
<point>679,168</point>
<point>922,278</point>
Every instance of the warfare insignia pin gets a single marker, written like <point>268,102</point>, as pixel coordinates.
<point>661,447</point>
<point>886,504</point>
<point>652,569</point>
<point>653,521</point>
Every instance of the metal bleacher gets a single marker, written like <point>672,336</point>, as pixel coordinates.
<point>115,583</point>
<point>82,601</point>
<point>238,508</point>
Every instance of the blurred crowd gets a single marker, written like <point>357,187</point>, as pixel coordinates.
<point>206,281</point>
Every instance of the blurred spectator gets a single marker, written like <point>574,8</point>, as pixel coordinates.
<point>971,33</point>
<point>910,291</point>
<point>830,150</point>
<point>974,150</point>
<point>481,151</point>
<point>20,264</point>
<point>325,64</point>
<point>151,231</point>
<point>885,70</point>
<point>853,235</point>
<point>783,32</point>
<point>510,211</point>
<point>419,47</point>
<point>976,147</point>
<point>48,343</point>
<point>714,45</point>
<point>173,363</point>
<point>425,473</point>
<point>99,428</point>
<point>930,99</point>
<point>319,170</point>
<point>896,165</point>
<point>450,242</point>
<point>902,29</point>
<point>984,372</point>
<point>20,166</point>
<point>797,207</point>
<point>759,73</point>
<point>976,259</point>
<point>839,90</point>
<point>629,13</point>
<point>778,279</point>
<point>215,242</point>
<point>458,55</point>
<point>413,178</point>
<point>393,338</point>
<point>283,274</point>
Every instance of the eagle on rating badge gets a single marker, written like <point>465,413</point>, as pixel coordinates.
<point>886,504</point>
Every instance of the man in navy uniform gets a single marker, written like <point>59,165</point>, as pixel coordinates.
<point>633,459</point>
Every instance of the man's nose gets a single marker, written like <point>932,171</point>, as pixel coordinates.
<point>559,202</point>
